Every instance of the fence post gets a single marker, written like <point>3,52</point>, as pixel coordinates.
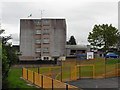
<point>75,72</point>
<point>93,71</point>
<point>27,74</point>
<point>105,67</point>
<point>61,70</point>
<point>79,71</point>
<point>33,77</point>
<point>22,72</point>
<point>66,86</point>
<point>116,69</point>
<point>42,81</point>
<point>52,85</point>
<point>70,72</point>
<point>38,70</point>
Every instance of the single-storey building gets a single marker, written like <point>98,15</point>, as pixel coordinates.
<point>72,50</point>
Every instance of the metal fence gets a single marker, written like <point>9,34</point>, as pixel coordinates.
<point>73,70</point>
<point>45,81</point>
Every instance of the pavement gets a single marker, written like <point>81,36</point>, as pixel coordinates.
<point>103,84</point>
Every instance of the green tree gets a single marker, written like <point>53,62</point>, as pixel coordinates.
<point>103,36</point>
<point>72,41</point>
<point>5,59</point>
<point>8,58</point>
<point>118,45</point>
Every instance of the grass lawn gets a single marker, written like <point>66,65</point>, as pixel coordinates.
<point>15,81</point>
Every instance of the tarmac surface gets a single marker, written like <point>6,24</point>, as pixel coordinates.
<point>97,84</point>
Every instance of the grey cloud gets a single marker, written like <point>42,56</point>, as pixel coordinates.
<point>80,17</point>
<point>15,38</point>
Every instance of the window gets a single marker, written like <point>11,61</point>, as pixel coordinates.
<point>45,40</point>
<point>38,31</point>
<point>46,31</point>
<point>38,49</point>
<point>45,50</point>
<point>72,52</point>
<point>37,58</point>
<point>45,22</point>
<point>38,41</point>
<point>37,22</point>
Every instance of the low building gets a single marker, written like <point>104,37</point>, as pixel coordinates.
<point>72,50</point>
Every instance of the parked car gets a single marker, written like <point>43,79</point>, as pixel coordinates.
<point>111,55</point>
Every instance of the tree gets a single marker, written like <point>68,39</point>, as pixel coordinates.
<point>118,45</point>
<point>103,36</point>
<point>72,41</point>
<point>8,57</point>
<point>5,61</point>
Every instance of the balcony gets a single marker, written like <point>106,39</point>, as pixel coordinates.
<point>38,41</point>
<point>38,31</point>
<point>38,50</point>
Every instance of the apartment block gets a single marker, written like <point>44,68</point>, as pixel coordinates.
<point>42,39</point>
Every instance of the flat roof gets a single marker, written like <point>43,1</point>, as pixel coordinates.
<point>45,18</point>
<point>77,47</point>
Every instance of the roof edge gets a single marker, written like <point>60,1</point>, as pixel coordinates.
<point>46,18</point>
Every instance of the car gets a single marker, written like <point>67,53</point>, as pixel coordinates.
<point>111,55</point>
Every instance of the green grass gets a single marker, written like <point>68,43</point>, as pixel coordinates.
<point>15,81</point>
<point>86,71</point>
<point>113,61</point>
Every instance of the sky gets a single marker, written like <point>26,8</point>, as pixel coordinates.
<point>81,16</point>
